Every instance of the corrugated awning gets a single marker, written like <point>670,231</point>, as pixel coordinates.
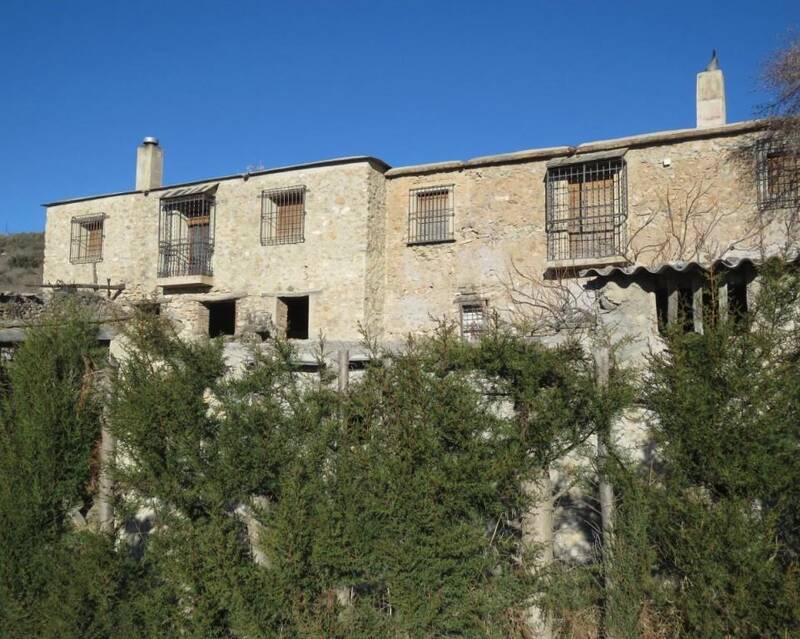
<point>197,189</point>
<point>587,157</point>
<point>725,263</point>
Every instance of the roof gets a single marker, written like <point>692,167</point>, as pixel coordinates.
<point>634,141</point>
<point>568,153</point>
<point>355,159</point>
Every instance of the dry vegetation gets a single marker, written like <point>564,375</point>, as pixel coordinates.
<point>21,257</point>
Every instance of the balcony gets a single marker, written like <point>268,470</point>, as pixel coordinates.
<point>185,263</point>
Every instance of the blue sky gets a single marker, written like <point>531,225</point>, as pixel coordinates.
<point>227,85</point>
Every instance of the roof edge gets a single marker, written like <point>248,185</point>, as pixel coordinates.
<point>632,141</point>
<point>375,162</point>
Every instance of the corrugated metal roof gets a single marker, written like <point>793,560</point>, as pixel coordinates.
<point>197,189</point>
<point>729,263</point>
<point>580,158</point>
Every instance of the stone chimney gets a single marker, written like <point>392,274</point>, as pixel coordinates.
<point>711,95</point>
<point>149,165</point>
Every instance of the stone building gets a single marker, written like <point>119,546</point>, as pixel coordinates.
<point>615,237</point>
<point>333,247</point>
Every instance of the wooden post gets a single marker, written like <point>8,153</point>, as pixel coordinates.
<point>605,489</point>
<point>344,370</point>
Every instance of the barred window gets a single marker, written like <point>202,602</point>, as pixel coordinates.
<point>86,243</point>
<point>586,209</point>
<point>186,235</point>
<point>778,175</point>
<point>283,215</point>
<point>474,319</point>
<point>431,214</point>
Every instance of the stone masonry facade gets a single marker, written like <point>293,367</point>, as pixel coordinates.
<point>342,247</point>
<point>355,262</point>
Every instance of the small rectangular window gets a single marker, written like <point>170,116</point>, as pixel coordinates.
<point>431,213</point>
<point>474,320</point>
<point>221,318</point>
<point>86,243</point>
<point>283,213</point>
<point>293,316</point>
<point>778,174</point>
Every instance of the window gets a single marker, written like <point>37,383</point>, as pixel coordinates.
<point>586,208</point>
<point>283,215</point>
<point>292,316</point>
<point>778,173</point>
<point>86,243</point>
<point>431,215</point>
<point>186,235</point>
<point>221,318</point>
<point>474,319</point>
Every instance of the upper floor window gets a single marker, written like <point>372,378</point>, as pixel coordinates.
<point>86,244</point>
<point>778,175</point>
<point>431,214</point>
<point>586,207</point>
<point>186,232</point>
<point>283,213</point>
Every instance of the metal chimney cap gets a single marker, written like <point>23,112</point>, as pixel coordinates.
<point>150,140</point>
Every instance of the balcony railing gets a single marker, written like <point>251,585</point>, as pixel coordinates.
<point>181,258</point>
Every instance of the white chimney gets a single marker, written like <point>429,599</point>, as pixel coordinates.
<point>711,95</point>
<point>149,165</point>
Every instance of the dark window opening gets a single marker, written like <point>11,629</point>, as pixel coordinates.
<point>152,309</point>
<point>662,309</point>
<point>686,309</point>
<point>710,307</point>
<point>7,350</point>
<point>737,301</point>
<point>293,312</point>
<point>221,318</point>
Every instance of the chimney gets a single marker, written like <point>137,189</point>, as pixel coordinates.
<point>711,95</point>
<point>149,165</point>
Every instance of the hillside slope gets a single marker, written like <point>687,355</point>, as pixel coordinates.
<point>21,257</point>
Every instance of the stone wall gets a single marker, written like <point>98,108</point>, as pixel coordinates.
<point>330,266</point>
<point>683,194</point>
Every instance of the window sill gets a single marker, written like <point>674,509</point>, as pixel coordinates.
<point>448,240</point>
<point>177,281</point>
<point>571,266</point>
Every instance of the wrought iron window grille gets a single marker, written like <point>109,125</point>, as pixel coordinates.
<point>474,319</point>
<point>777,176</point>
<point>283,213</point>
<point>586,209</point>
<point>186,235</point>
<point>86,239</point>
<point>431,214</point>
